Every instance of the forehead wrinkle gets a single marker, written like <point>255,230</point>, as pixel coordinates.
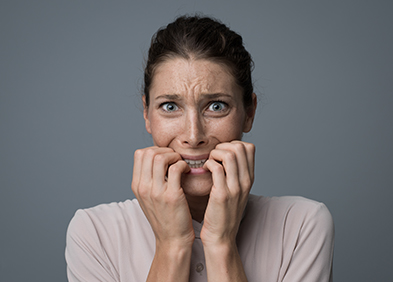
<point>190,79</point>
<point>193,80</point>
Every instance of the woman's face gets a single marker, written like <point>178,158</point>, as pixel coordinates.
<point>195,105</point>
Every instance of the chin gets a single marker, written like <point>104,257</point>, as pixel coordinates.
<point>200,185</point>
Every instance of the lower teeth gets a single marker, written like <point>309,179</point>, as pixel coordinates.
<point>195,165</point>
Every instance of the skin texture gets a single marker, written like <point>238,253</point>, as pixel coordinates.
<point>196,112</point>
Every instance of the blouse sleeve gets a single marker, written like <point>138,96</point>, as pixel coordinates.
<point>312,249</point>
<point>85,256</point>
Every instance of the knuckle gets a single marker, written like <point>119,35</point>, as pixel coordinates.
<point>217,168</point>
<point>134,186</point>
<point>250,147</point>
<point>160,159</point>
<point>247,183</point>
<point>238,146</point>
<point>138,154</point>
<point>230,156</point>
<point>170,199</point>
<point>175,168</point>
<point>144,193</point>
<point>222,197</point>
<point>236,193</point>
<point>219,145</point>
<point>155,194</point>
<point>150,153</point>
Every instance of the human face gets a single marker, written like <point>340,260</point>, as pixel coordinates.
<point>195,105</point>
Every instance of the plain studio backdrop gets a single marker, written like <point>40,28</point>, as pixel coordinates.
<point>71,117</point>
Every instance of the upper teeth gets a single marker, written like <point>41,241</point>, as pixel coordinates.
<point>195,163</point>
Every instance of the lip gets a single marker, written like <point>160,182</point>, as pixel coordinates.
<point>196,170</point>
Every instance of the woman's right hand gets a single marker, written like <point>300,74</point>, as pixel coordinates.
<point>156,184</point>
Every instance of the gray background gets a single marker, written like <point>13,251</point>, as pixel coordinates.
<point>70,117</point>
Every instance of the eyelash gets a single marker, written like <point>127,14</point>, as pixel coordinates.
<point>224,105</point>
<point>162,105</point>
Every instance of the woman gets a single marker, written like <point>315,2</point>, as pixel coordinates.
<point>194,219</point>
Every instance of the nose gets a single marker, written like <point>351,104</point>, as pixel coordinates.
<point>194,134</point>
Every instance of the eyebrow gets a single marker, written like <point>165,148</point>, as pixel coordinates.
<point>168,97</point>
<point>205,96</point>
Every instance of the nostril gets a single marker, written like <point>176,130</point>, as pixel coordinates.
<point>192,143</point>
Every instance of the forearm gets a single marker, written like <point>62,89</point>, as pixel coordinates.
<point>223,263</point>
<point>171,263</point>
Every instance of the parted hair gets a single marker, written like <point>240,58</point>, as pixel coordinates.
<point>199,37</point>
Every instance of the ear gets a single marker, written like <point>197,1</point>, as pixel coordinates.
<point>250,114</point>
<point>145,114</point>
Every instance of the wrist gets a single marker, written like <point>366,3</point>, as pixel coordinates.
<point>173,253</point>
<point>171,261</point>
<point>211,241</point>
<point>220,248</point>
<point>174,246</point>
<point>223,262</point>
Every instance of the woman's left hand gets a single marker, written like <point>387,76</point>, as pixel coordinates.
<point>232,168</point>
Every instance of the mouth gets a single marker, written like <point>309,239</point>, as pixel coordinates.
<point>195,163</point>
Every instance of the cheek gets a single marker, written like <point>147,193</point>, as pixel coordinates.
<point>163,132</point>
<point>227,130</point>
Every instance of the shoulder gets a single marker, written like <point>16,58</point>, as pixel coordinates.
<point>292,236</point>
<point>106,220</point>
<point>106,239</point>
<point>285,204</point>
<point>291,211</point>
<point>102,240</point>
<point>104,213</point>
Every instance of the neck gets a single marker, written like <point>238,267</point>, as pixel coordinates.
<point>197,206</point>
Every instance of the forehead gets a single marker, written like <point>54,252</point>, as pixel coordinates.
<point>184,77</point>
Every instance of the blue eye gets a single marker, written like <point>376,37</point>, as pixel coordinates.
<point>217,106</point>
<point>169,107</point>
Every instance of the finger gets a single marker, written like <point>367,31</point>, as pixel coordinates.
<point>148,160</point>
<point>138,155</point>
<point>230,166</point>
<point>243,165</point>
<point>218,173</point>
<point>174,175</point>
<point>161,163</point>
<point>250,149</point>
<point>250,154</point>
<point>144,166</point>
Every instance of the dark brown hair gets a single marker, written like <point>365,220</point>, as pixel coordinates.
<point>199,37</point>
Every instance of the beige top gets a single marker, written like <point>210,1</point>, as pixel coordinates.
<point>279,239</point>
